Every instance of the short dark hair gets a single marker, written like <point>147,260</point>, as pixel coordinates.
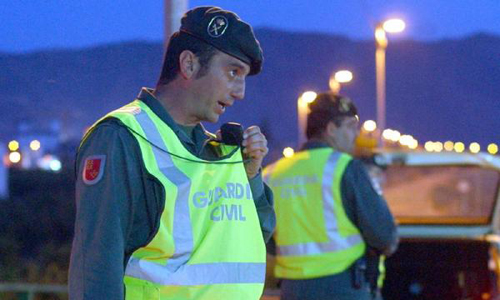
<point>179,42</point>
<point>328,107</point>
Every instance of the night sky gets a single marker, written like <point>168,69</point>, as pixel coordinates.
<point>28,25</point>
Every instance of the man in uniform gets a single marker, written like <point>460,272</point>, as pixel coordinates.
<point>328,214</point>
<point>166,210</point>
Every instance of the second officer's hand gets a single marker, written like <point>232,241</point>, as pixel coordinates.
<point>255,149</point>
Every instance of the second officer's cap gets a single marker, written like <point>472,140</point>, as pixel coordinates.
<point>325,108</point>
<point>333,105</point>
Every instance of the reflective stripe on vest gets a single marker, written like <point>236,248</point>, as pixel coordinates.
<point>335,241</point>
<point>182,231</point>
<point>214,273</point>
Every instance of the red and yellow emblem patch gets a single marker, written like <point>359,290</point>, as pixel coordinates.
<point>93,169</point>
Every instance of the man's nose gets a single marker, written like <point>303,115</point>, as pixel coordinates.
<point>238,91</point>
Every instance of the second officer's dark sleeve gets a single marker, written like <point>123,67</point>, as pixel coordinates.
<point>367,209</point>
<point>107,225</point>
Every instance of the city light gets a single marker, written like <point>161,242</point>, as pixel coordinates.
<point>459,147</point>
<point>15,157</point>
<point>288,152</point>
<point>394,25</point>
<point>13,145</point>
<point>405,140</point>
<point>429,146</point>
<point>309,97</point>
<point>474,147</point>
<point>492,148</point>
<point>438,146</point>
<point>448,146</point>
<point>35,145</point>
<point>343,76</point>
<point>369,125</point>
<point>392,135</point>
<point>50,163</point>
<point>55,165</point>
<point>413,145</point>
<point>433,146</point>
<point>395,135</point>
<point>387,134</point>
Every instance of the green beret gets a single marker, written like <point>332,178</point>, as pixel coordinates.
<point>225,31</point>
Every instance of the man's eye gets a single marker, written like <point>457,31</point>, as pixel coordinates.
<point>233,73</point>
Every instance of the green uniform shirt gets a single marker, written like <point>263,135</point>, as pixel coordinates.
<point>121,213</point>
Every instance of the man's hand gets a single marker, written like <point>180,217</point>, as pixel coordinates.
<point>255,144</point>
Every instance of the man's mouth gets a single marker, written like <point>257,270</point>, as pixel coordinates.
<point>222,106</point>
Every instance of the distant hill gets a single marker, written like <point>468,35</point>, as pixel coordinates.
<point>442,90</point>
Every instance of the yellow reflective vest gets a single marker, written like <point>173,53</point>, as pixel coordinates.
<point>314,237</point>
<point>209,244</point>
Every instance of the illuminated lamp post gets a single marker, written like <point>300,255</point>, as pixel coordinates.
<point>391,26</point>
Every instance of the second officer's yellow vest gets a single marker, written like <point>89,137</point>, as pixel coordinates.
<point>314,237</point>
<point>209,244</point>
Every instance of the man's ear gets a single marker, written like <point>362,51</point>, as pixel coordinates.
<point>188,64</point>
<point>331,128</point>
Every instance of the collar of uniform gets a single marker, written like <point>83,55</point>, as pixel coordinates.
<point>314,144</point>
<point>199,133</point>
<point>146,96</point>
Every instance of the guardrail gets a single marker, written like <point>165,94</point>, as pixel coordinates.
<point>32,289</point>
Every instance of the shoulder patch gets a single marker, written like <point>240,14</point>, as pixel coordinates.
<point>93,169</point>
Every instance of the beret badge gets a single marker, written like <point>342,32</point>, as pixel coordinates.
<point>344,106</point>
<point>217,26</point>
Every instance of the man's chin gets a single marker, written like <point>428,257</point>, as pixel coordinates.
<point>212,119</point>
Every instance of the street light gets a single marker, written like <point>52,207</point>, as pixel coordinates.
<point>35,145</point>
<point>13,145</point>
<point>342,76</point>
<point>394,25</point>
<point>391,26</point>
<point>15,157</point>
<point>448,146</point>
<point>369,126</point>
<point>302,110</point>
<point>474,147</point>
<point>459,147</point>
<point>288,152</point>
<point>492,148</point>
